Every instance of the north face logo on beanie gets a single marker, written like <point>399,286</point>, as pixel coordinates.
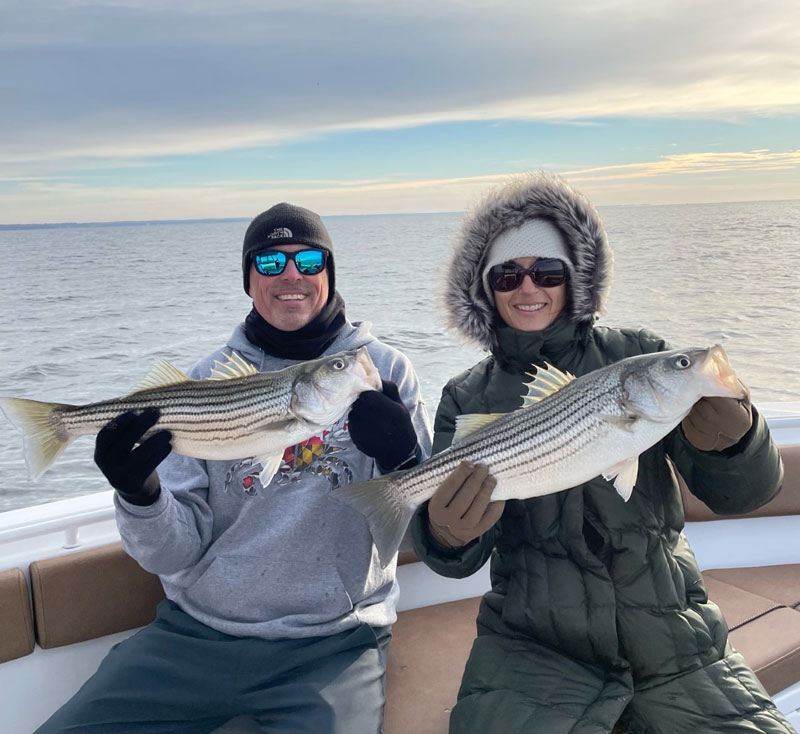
<point>280,233</point>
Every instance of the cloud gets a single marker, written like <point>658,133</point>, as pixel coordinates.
<point>91,79</point>
<point>671,179</point>
<point>692,164</point>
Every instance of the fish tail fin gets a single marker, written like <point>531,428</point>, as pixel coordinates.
<point>387,515</point>
<point>43,436</point>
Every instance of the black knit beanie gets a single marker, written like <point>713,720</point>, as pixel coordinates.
<point>287,224</point>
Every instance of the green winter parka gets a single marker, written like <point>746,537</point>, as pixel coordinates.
<point>597,619</point>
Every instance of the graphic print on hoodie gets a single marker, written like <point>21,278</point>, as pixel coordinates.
<point>322,455</point>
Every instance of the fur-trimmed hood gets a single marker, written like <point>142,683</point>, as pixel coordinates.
<point>467,308</point>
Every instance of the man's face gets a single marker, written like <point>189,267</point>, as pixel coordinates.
<point>290,300</point>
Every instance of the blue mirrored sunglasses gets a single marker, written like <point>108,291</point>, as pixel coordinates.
<point>307,262</point>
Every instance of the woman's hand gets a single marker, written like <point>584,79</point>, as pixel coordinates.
<point>460,509</point>
<point>715,424</point>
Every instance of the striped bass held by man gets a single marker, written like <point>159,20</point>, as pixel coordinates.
<point>236,413</point>
<point>567,432</point>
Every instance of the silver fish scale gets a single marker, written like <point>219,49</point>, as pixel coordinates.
<point>528,441</point>
<point>221,409</point>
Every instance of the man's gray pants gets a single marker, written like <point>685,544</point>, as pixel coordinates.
<point>178,675</point>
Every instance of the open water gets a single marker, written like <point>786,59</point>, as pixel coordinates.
<point>84,311</point>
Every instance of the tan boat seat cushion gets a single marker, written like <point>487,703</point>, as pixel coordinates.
<point>90,594</point>
<point>781,584</point>
<point>787,501</point>
<point>404,557</point>
<point>16,621</point>
<point>760,607</point>
<point>429,649</point>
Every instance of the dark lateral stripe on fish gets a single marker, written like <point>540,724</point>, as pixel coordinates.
<point>234,424</point>
<point>560,418</point>
<point>243,407</point>
<point>220,387</point>
<point>199,405</point>
<point>205,422</point>
<point>201,396</point>
<point>211,390</point>
<point>173,413</point>
<point>582,437</point>
<point>540,421</point>
<point>553,430</point>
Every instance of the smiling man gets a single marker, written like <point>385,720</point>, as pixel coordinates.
<point>291,299</point>
<point>289,274</point>
<point>277,607</point>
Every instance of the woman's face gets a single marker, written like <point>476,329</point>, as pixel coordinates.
<point>530,307</point>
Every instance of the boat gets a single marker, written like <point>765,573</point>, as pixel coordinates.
<point>68,593</point>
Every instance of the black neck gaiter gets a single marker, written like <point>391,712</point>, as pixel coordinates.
<point>308,342</point>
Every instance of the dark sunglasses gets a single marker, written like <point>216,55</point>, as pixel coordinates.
<point>307,262</point>
<point>546,273</point>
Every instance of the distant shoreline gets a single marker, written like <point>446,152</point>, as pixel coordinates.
<point>214,220</point>
<point>131,223</point>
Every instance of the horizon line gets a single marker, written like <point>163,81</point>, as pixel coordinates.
<point>210,220</point>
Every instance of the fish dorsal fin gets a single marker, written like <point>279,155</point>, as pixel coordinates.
<point>546,381</point>
<point>471,422</point>
<point>163,373</point>
<point>233,366</point>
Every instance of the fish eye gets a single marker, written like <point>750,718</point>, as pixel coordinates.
<point>338,364</point>
<point>682,362</point>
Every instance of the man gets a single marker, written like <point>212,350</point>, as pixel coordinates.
<point>276,605</point>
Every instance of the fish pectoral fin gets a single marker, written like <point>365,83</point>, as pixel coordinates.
<point>163,373</point>
<point>288,426</point>
<point>625,422</point>
<point>624,475</point>
<point>233,366</point>
<point>471,422</point>
<point>546,381</point>
<point>269,467</point>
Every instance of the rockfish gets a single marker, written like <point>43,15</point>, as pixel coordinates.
<point>567,432</point>
<point>236,413</point>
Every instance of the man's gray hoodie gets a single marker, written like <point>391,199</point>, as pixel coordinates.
<point>286,560</point>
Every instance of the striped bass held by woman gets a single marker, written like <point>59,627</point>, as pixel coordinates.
<point>237,413</point>
<point>567,432</point>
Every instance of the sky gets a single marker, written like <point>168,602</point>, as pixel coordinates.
<point>140,109</point>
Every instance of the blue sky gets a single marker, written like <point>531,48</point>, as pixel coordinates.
<point>127,109</point>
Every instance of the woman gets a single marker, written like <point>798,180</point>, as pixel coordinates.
<point>597,619</point>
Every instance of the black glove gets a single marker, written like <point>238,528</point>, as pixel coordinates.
<point>132,471</point>
<point>380,426</point>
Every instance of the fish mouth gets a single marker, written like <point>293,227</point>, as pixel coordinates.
<point>717,367</point>
<point>369,372</point>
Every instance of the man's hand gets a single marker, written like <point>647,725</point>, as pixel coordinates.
<point>380,426</point>
<point>715,424</point>
<point>460,509</point>
<point>132,471</point>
